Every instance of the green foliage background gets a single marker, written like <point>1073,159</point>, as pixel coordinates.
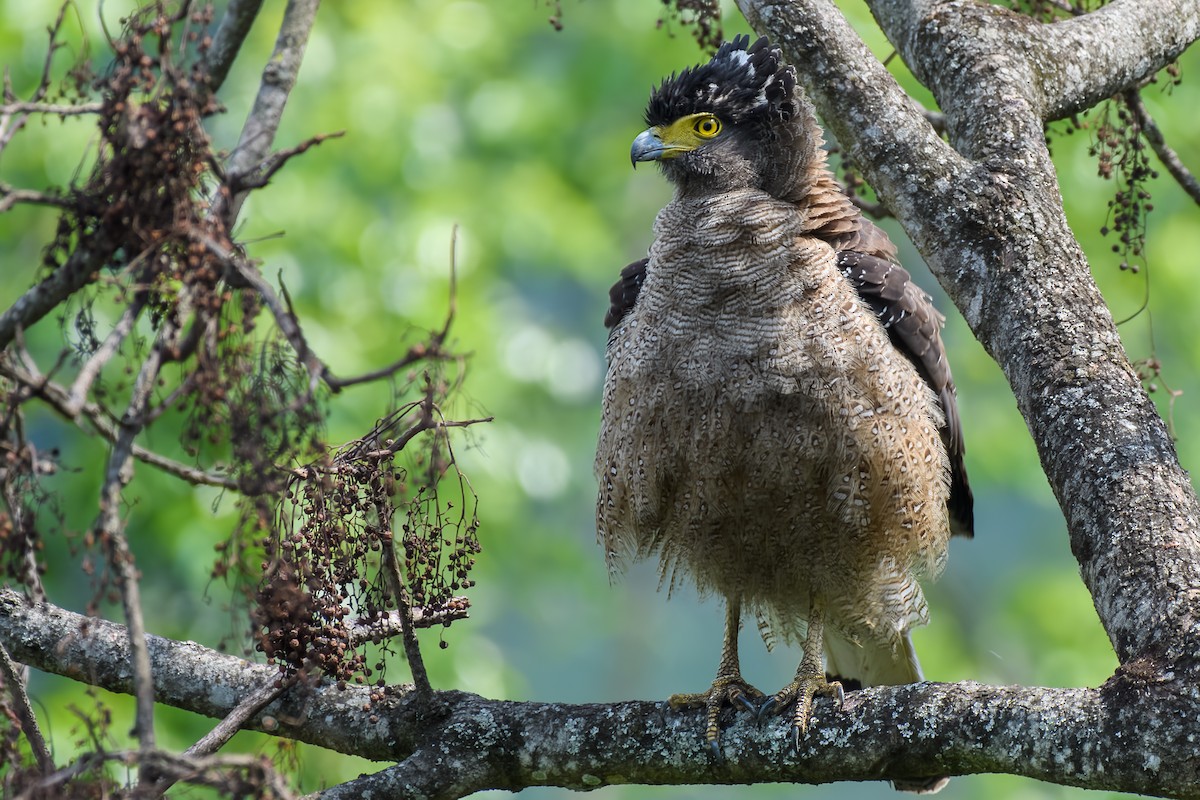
<point>481,115</point>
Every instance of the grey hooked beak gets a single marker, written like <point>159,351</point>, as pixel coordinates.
<point>646,147</point>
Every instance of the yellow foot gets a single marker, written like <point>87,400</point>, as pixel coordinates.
<point>726,690</point>
<point>802,690</point>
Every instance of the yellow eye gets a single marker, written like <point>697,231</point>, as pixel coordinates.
<point>707,127</point>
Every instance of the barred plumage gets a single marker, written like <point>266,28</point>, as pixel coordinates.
<point>779,420</point>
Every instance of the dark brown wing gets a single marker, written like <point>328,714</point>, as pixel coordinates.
<point>624,292</point>
<point>914,326</point>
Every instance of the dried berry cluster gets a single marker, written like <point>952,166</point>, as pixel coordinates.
<point>322,569</point>
<point>1121,153</point>
<point>702,16</point>
<point>326,568</point>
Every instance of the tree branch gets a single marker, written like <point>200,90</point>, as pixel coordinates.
<point>1097,55</point>
<point>1169,158</point>
<point>227,41</point>
<point>1130,735</point>
<point>28,720</point>
<point>258,134</point>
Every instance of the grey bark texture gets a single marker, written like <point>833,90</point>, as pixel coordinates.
<point>985,211</point>
<point>1127,735</point>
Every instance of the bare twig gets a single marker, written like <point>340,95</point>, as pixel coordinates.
<point>412,648</point>
<point>390,624</point>
<point>110,530</point>
<point>29,723</point>
<point>283,316</point>
<point>422,351</point>
<point>10,197</point>
<point>59,109</point>
<point>13,121</point>
<point>1166,154</point>
<point>250,705</point>
<point>261,176</point>
<point>227,41</point>
<point>57,398</point>
<point>112,343</point>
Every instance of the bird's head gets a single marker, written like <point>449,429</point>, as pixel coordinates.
<point>737,121</point>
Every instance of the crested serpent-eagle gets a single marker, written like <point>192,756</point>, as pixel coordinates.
<point>779,421</point>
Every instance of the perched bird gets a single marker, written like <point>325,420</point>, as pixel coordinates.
<point>779,421</point>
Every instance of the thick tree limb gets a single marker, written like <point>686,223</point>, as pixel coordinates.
<point>1129,735</point>
<point>1097,55</point>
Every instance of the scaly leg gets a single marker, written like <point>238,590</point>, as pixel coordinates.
<point>728,688</point>
<point>810,676</point>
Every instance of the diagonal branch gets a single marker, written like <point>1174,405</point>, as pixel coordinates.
<point>58,398</point>
<point>28,720</point>
<point>227,41</point>
<point>258,134</point>
<point>1169,158</point>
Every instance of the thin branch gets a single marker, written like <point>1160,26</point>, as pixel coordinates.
<point>11,122</point>
<point>422,351</point>
<point>111,531</point>
<point>25,715</point>
<point>1169,158</point>
<point>412,648</point>
<point>286,321</point>
<point>261,176</point>
<point>389,624</point>
<point>59,109</point>
<point>253,703</point>
<point>112,343</point>
<point>57,398</point>
<point>10,197</point>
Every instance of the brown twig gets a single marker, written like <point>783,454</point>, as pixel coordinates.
<point>59,109</point>
<point>10,197</point>
<point>422,351</point>
<point>107,349</point>
<point>111,531</point>
<point>1166,154</point>
<point>13,121</point>
<point>57,398</point>
<point>262,174</point>
<point>250,705</point>
<point>286,321</point>
<point>25,715</point>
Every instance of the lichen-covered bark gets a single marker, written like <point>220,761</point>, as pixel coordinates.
<point>1126,735</point>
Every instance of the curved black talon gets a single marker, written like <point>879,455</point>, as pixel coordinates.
<point>765,709</point>
<point>745,701</point>
<point>714,749</point>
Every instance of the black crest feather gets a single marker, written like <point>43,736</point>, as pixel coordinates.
<point>742,83</point>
